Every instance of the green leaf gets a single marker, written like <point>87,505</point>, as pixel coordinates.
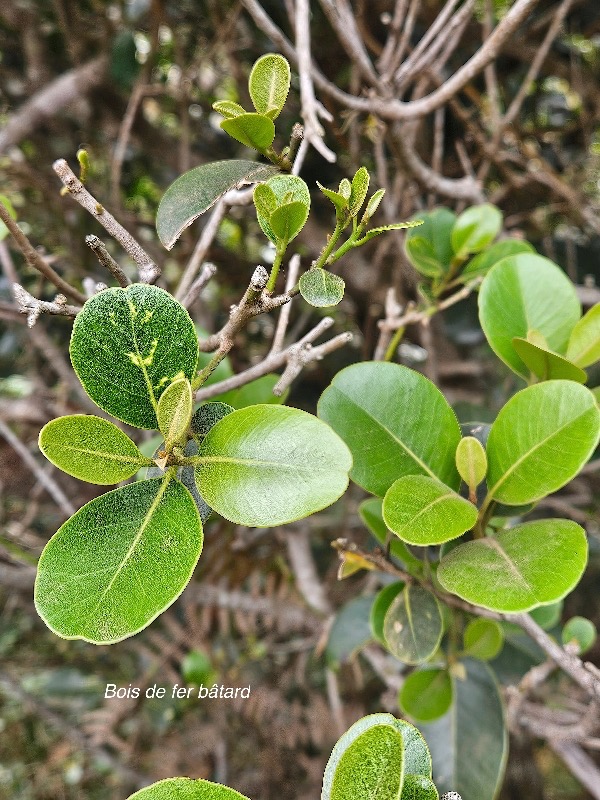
<point>426,694</point>
<point>321,288</point>
<point>266,465</point>
<point>483,639</point>
<point>287,221</point>
<point>395,226</point>
<point>377,409</point>
<point>91,449</point>
<point>372,205</point>
<point>540,440</point>
<point>417,758</point>
<point>371,513</point>
<point>418,787</point>
<point>359,189</point>
<point>228,109</point>
<point>580,630</point>
<point>128,345</point>
<point>257,391</point>
<point>264,200</point>
<point>547,616</point>
<point>185,475</point>
<point>207,417</point>
<point>339,201</point>
<point>519,568</point>
<point>423,511</point>
<point>366,763</point>
<point>383,600</point>
<point>483,262</point>
<point>469,744</point>
<point>197,190</point>
<point>253,130</point>
<point>475,229</point>
<point>413,625</point>
<point>287,189</point>
<point>350,631</point>
<point>174,411</point>
<point>471,461</point>
<point>11,210</point>
<point>197,668</point>
<point>519,295</point>
<point>545,364</point>
<point>119,562</point>
<point>345,189</point>
<point>584,344</point>
<point>187,789</point>
<point>429,249</point>
<point>269,84</point>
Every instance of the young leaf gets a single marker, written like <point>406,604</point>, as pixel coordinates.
<point>253,130</point>
<point>185,475</point>
<point>372,205</point>
<point>580,630</point>
<point>380,607</point>
<point>376,408</point>
<point>269,84</point>
<point>119,562</point>
<point>475,229</point>
<point>519,568</point>
<point>519,295</point>
<point>228,109</point>
<point>555,417</point>
<point>197,190</point>
<point>287,189</point>
<point>266,465</point>
<point>429,249</point>
<point>91,449</point>
<point>395,226</point>
<point>345,189</point>
<point>584,344</point>
<point>483,262</point>
<point>412,627</point>
<point>418,787</point>
<point>371,514</point>
<point>339,201</point>
<point>128,345</point>
<point>358,191</point>
<point>187,789</point>
<point>264,200</point>
<point>471,461</point>
<point>483,639</point>
<point>350,631</point>
<point>426,694</point>
<point>174,411</point>
<point>287,221</point>
<point>321,288</point>
<point>423,511</point>
<point>545,364</point>
<point>207,417</point>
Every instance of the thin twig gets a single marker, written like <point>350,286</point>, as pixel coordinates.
<point>104,257</point>
<point>284,314</point>
<point>30,305</point>
<point>202,246</point>
<point>208,272</point>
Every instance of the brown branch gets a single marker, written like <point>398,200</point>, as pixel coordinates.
<point>105,258</point>
<point>30,305</point>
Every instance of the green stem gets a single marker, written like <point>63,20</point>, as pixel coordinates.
<point>328,249</point>
<point>208,370</point>
<point>393,345</point>
<point>280,252</point>
<point>484,517</point>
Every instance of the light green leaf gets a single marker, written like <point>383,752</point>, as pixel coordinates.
<point>423,511</point>
<point>174,411</point>
<point>321,288</point>
<point>418,787</point>
<point>483,639</point>
<point>429,249</point>
<point>471,461</point>
<point>469,744</point>
<point>197,190</point>
<point>91,449</point>
<point>475,229</point>
<point>269,84</point>
<point>128,345</point>
<point>350,631</point>
<point>253,130</point>
<point>395,226</point>
<point>119,562</point>
<point>383,600</point>
<point>264,200</point>
<point>371,513</point>
<point>519,294</point>
<point>187,789</point>
<point>257,391</point>
<point>580,630</point>
<point>377,409</point>
<point>519,568</point>
<point>287,221</point>
<point>358,192</point>
<point>367,762</point>
<point>426,694</point>
<point>584,344</point>
<point>483,262</point>
<point>540,440</point>
<point>372,205</point>
<point>545,364</point>
<point>287,189</point>
<point>339,201</point>
<point>228,109</point>
<point>207,417</point>
<point>413,625</point>
<point>345,189</point>
<point>11,210</point>
<point>417,758</point>
<point>266,465</point>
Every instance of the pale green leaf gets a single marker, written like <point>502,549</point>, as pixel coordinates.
<point>412,627</point>
<point>345,189</point>
<point>253,130</point>
<point>358,191</point>
<point>584,344</point>
<point>475,229</point>
<point>187,789</point>
<point>581,631</point>
<point>395,226</point>
<point>287,221</point>
<point>339,201</point>
<point>264,200</point>
<point>471,461</point>
<point>545,364</point>
<point>228,109</point>
<point>426,694</point>
<point>483,639</point>
<point>174,411</point>
<point>373,205</point>
<point>11,210</point>
<point>269,84</point>
<point>371,513</point>
<point>321,288</point>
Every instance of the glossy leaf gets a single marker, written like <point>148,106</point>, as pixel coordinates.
<point>584,344</point>
<point>429,248</point>
<point>418,787</point>
<point>253,130</point>
<point>482,263</point>
<point>475,229</point>
<point>519,568</point>
<point>269,84</point>
<point>545,364</point>
<point>483,639</point>
<point>174,411</point>
<point>187,789</point>
<point>383,600</point>
<point>423,511</point>
<point>197,190</point>
<point>580,630</point>
<point>472,734</point>
<point>267,465</point>
<point>359,189</point>
<point>471,461</point>
<point>520,294</point>
<point>371,514</point>
<point>91,449</point>
<point>288,220</point>
<point>128,345</point>
<point>350,630</point>
<point>207,416</point>
<point>540,440</point>
<point>426,694</point>
<point>228,109</point>
<point>413,625</point>
<point>286,189</point>
<point>321,288</point>
<point>257,391</point>
<point>377,409</point>
<point>119,562</point>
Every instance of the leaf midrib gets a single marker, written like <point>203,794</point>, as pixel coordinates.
<point>142,460</point>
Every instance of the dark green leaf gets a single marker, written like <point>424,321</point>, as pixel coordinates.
<point>269,84</point>
<point>379,609</point>
<point>475,229</point>
<point>253,130</point>
<point>321,288</point>
<point>413,625</point>
<point>426,694</point>
<point>207,416</point>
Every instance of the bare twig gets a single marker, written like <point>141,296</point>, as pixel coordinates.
<point>30,305</point>
<point>302,563</point>
<point>284,314</point>
<point>105,258</point>
<point>208,272</point>
<point>124,133</point>
<point>343,22</point>
<point>580,764</point>
<point>202,246</point>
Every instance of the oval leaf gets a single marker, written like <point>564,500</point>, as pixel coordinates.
<point>429,249</point>
<point>350,631</point>
<point>187,789</point>
<point>483,262</point>
<point>471,461</point>
<point>128,345</point>
<point>266,465</point>
<point>483,639</point>
<point>98,575</point>
<point>377,409</point>
<point>286,189</point>
<point>269,84</point>
<point>321,288</point>
<point>475,228</point>
<point>359,189</point>
<point>518,569</point>
<point>174,411</point>
<point>413,625</point>
<point>545,364</point>
<point>580,630</point>
<point>91,449</point>
<point>197,190</point>
<point>380,607</point>
<point>540,440</point>
<point>207,416</point>
<point>228,109</point>
<point>584,344</point>
<point>253,130</point>
<point>423,511</point>
<point>426,694</point>
<point>417,787</point>
<point>288,220</point>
